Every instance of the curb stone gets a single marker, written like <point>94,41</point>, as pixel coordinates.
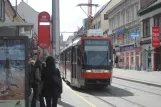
<point>137,81</point>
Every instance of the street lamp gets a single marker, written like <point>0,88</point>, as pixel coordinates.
<point>149,55</point>
<point>149,50</point>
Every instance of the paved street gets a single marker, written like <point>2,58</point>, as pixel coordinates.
<point>122,93</point>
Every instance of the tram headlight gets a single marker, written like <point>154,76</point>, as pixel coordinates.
<point>106,70</point>
<point>88,70</point>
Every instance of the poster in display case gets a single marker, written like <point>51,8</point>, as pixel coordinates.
<point>13,71</point>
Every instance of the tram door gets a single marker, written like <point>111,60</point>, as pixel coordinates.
<point>74,64</point>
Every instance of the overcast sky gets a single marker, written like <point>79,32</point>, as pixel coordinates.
<point>70,15</point>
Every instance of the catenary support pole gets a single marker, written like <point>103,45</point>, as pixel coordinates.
<point>55,27</point>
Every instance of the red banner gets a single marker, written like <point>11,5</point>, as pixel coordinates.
<point>155,37</point>
<point>44,30</point>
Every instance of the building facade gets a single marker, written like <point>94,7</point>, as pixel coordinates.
<point>99,20</point>
<point>28,14</point>
<point>150,16</point>
<point>124,27</point>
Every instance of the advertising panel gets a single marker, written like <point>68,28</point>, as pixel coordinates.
<point>12,73</point>
<point>155,37</point>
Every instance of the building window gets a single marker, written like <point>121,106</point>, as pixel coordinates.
<point>146,28</point>
<point>136,9</point>
<point>113,23</point>
<point>123,17</point>
<point>133,13</point>
<point>115,20</point>
<point>2,10</point>
<point>110,23</point>
<point>157,21</point>
<point>99,24</point>
<point>127,15</point>
<point>130,14</point>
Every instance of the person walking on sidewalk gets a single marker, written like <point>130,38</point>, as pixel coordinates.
<point>52,87</point>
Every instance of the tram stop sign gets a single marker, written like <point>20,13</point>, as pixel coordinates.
<point>44,30</point>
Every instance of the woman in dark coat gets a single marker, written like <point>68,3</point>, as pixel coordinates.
<point>37,85</point>
<point>51,91</point>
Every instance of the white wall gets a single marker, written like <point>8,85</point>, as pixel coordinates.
<point>29,14</point>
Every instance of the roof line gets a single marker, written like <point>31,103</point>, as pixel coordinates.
<point>102,8</point>
<point>28,6</point>
<point>12,7</point>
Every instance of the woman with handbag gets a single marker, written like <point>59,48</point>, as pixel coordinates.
<point>52,82</point>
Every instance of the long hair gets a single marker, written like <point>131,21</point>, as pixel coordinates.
<point>50,62</point>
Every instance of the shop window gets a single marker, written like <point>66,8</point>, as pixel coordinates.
<point>132,57</point>
<point>146,28</point>
<point>127,53</point>
<point>122,58</point>
<point>137,53</point>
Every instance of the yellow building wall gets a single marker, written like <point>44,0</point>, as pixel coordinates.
<point>105,23</point>
<point>96,19</point>
<point>18,19</point>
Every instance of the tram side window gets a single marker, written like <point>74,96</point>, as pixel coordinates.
<point>68,55</point>
<point>78,55</point>
<point>65,56</point>
<point>61,57</point>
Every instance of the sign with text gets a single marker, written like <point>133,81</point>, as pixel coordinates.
<point>134,35</point>
<point>127,48</point>
<point>155,37</point>
<point>44,30</point>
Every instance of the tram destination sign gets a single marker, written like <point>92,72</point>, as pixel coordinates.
<point>96,42</point>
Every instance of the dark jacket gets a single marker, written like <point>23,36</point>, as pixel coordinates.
<point>38,83</point>
<point>50,88</point>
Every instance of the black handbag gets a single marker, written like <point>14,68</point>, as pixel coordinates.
<point>57,79</point>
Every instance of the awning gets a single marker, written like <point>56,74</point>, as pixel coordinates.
<point>15,24</point>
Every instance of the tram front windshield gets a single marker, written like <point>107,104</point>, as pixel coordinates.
<point>96,54</point>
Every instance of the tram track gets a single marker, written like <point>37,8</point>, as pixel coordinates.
<point>106,93</point>
<point>107,102</point>
<point>113,105</point>
<point>137,89</point>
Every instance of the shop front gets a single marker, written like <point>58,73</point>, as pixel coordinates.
<point>130,57</point>
<point>147,55</point>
